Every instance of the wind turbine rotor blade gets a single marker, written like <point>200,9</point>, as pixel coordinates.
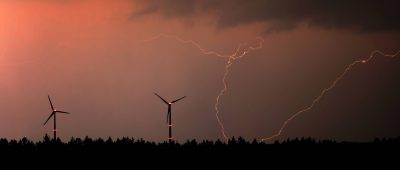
<point>52,113</point>
<point>51,104</point>
<point>178,99</point>
<point>62,112</point>
<point>161,98</point>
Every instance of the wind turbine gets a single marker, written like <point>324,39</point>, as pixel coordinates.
<point>169,114</point>
<point>53,113</point>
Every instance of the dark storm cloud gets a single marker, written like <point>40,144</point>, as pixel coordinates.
<point>358,15</point>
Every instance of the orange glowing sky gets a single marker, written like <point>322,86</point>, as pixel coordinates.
<point>90,57</point>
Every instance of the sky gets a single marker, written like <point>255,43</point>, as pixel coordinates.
<point>102,61</point>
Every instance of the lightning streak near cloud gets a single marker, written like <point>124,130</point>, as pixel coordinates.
<point>241,51</point>
<point>329,88</point>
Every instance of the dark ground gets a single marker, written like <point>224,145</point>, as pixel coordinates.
<point>206,154</point>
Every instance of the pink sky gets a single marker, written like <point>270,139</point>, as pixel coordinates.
<point>91,58</point>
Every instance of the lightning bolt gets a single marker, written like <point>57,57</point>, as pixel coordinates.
<point>195,44</point>
<point>329,88</point>
<point>241,51</point>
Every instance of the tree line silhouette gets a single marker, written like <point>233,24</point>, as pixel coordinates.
<point>128,151</point>
<point>127,142</point>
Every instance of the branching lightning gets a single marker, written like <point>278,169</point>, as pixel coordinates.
<point>241,51</point>
<point>329,88</point>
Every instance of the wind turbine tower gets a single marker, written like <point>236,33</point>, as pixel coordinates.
<point>169,120</point>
